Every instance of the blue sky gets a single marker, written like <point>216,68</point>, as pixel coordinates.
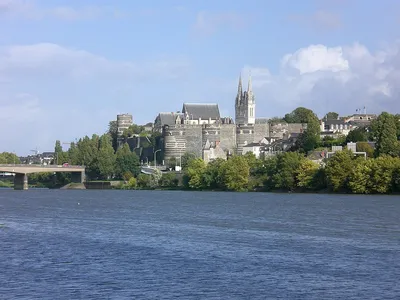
<point>68,67</point>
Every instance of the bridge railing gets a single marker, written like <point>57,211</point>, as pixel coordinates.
<point>40,166</point>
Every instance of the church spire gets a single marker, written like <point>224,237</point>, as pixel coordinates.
<point>240,85</point>
<point>250,85</point>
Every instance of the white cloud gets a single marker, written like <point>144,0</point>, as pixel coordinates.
<point>326,79</point>
<point>52,92</point>
<point>50,60</point>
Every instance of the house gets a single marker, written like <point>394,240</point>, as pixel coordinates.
<point>212,151</point>
<point>334,127</point>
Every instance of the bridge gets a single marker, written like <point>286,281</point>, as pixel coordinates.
<point>21,172</point>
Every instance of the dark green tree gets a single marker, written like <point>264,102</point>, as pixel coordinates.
<point>385,133</point>
<point>331,116</point>
<point>105,157</point>
<point>126,161</point>
<point>287,165</point>
<point>113,133</point>
<point>359,134</point>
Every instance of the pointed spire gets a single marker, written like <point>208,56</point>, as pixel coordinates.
<point>250,86</point>
<point>240,84</point>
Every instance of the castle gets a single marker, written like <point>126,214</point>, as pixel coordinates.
<point>199,129</point>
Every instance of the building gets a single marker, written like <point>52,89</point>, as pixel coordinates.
<point>201,130</point>
<point>334,127</point>
<point>123,123</point>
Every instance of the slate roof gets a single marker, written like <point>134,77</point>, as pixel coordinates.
<point>168,118</point>
<point>262,120</point>
<point>334,122</point>
<point>201,110</point>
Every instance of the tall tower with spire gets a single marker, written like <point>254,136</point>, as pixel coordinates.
<point>245,106</point>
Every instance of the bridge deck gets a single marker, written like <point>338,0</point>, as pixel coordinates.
<point>27,169</point>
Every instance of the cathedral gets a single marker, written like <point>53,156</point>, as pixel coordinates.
<point>199,129</point>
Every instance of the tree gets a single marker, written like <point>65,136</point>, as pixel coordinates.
<point>360,177</point>
<point>357,135</point>
<point>365,147</point>
<point>169,180</point>
<point>332,115</point>
<point>186,158</point>
<point>338,170</point>
<point>306,174</point>
<point>60,156</point>
<point>9,158</point>
<point>382,175</point>
<point>126,161</point>
<point>234,174</point>
<point>385,132</point>
<point>194,173</point>
<point>309,139</point>
<point>105,157</point>
<point>113,133</point>
<point>299,115</point>
<point>287,165</point>
<point>211,178</point>
<point>133,130</point>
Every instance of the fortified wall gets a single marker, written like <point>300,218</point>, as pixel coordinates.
<point>182,138</point>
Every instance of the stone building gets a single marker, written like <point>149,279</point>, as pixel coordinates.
<point>123,122</point>
<point>199,128</point>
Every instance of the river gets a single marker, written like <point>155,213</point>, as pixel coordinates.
<point>57,244</point>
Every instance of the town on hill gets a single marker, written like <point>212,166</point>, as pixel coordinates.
<point>197,137</point>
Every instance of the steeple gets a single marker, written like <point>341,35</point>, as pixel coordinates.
<point>250,85</point>
<point>240,91</point>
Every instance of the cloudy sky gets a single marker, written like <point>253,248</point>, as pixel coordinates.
<point>68,67</point>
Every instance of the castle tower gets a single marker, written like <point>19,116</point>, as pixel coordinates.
<point>245,104</point>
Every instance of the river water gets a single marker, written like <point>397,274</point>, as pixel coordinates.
<point>205,245</point>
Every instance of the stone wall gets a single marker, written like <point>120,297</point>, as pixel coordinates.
<point>244,136</point>
<point>194,141</point>
<point>261,131</point>
<point>228,137</point>
<point>282,130</point>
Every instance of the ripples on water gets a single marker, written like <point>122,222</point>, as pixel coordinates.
<point>170,245</point>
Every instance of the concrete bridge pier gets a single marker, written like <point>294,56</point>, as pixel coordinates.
<point>78,177</point>
<point>20,181</point>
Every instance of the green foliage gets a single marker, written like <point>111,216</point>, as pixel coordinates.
<point>211,176</point>
<point>194,173</point>
<point>307,175</point>
<point>338,170</point>
<point>365,147</point>
<point>310,138</point>
<point>113,133</point>
<point>9,158</point>
<point>126,161</point>
<point>169,180</point>
<point>234,174</point>
<point>299,115</point>
<point>185,159</point>
<point>332,115</point>
<point>357,135</point>
<point>143,181</point>
<point>287,165</point>
<point>132,183</point>
<point>105,159</point>
<point>385,133</point>
<point>133,130</point>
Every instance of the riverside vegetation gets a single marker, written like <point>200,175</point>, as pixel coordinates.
<point>288,171</point>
